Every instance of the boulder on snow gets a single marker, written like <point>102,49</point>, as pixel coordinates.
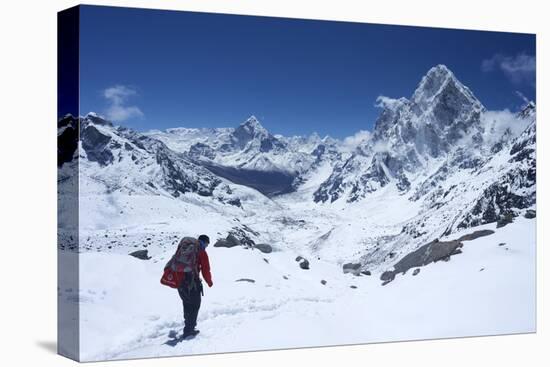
<point>387,276</point>
<point>264,247</point>
<point>355,269</point>
<point>426,254</point>
<point>229,241</point>
<point>476,234</point>
<point>416,271</point>
<point>140,254</point>
<point>246,280</point>
<point>505,219</point>
<point>323,282</point>
<point>366,272</point>
<point>530,214</point>
<point>237,237</point>
<point>304,264</point>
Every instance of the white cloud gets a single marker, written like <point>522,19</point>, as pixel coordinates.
<point>497,123</point>
<point>118,110</point>
<point>519,69</point>
<point>522,97</point>
<point>381,146</point>
<point>387,102</point>
<point>351,142</point>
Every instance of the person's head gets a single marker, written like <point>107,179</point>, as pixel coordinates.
<point>204,241</point>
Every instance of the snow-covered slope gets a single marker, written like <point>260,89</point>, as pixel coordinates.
<point>488,289</point>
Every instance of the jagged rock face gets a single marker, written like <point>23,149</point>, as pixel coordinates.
<point>153,167</point>
<point>96,145</point>
<point>442,151</point>
<point>442,116</point>
<point>249,130</point>
<point>513,190</point>
<point>199,150</point>
<point>179,180</point>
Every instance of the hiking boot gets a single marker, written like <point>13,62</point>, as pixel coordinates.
<point>190,333</point>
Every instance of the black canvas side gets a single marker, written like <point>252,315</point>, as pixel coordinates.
<point>68,340</point>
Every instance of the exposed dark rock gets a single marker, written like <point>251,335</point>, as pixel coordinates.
<point>387,276</point>
<point>366,272</point>
<point>266,260</point>
<point>201,150</point>
<point>240,236</point>
<point>497,202</point>
<point>178,179</point>
<point>246,280</point>
<point>233,240</point>
<point>530,214</point>
<point>502,244</point>
<point>353,286</point>
<point>229,241</point>
<point>304,264</point>
<point>140,254</point>
<point>505,220</point>
<point>323,282</point>
<point>237,237</point>
<point>355,269</point>
<point>426,254</point>
<point>235,202</point>
<point>95,144</point>
<point>416,271</point>
<point>263,247</point>
<point>476,234</point>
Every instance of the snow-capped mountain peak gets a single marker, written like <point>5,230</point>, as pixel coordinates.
<point>252,123</point>
<point>442,121</point>
<point>97,119</point>
<point>529,110</point>
<point>432,83</point>
<point>440,85</point>
<point>248,130</point>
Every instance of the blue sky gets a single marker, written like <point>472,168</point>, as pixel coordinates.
<point>149,69</point>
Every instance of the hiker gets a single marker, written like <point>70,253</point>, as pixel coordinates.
<point>191,259</point>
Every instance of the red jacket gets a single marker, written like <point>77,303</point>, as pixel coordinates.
<point>204,267</point>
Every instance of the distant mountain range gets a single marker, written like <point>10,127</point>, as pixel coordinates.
<point>440,151</point>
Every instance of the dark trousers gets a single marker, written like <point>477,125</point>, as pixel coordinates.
<point>190,293</point>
